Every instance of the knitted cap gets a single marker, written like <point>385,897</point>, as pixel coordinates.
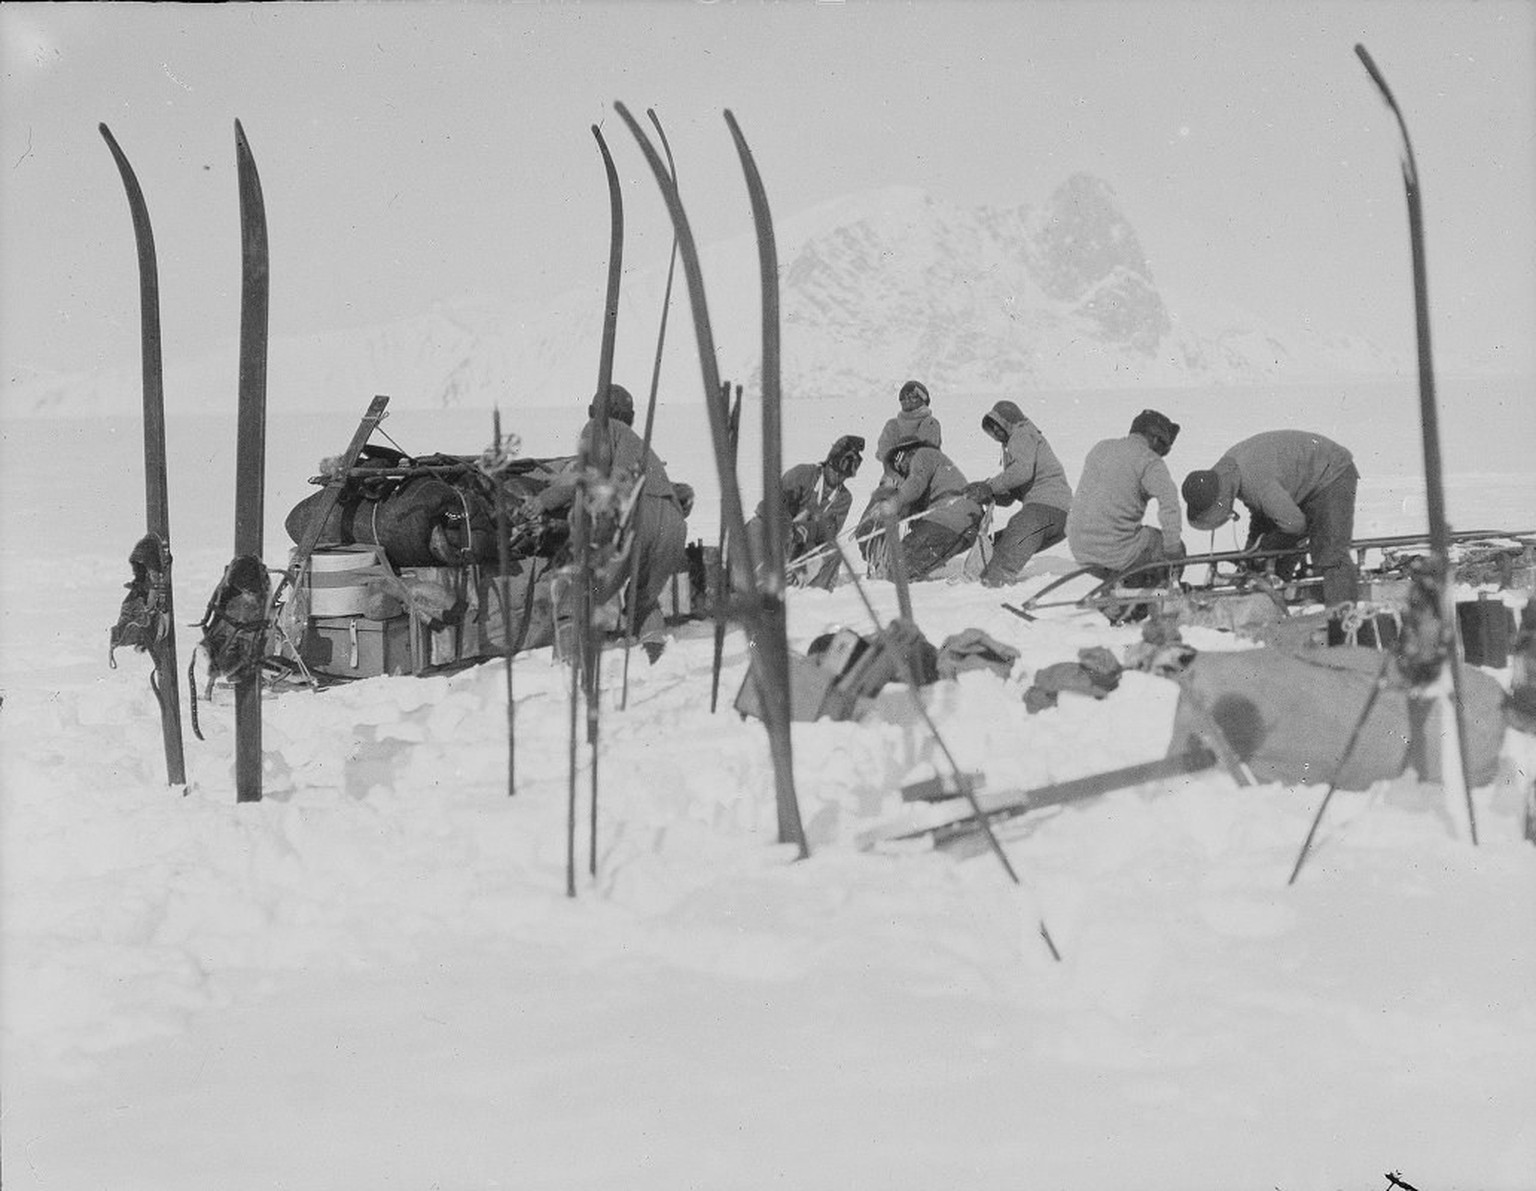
<point>914,388</point>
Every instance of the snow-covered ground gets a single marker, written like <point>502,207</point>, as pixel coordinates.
<point>374,977</point>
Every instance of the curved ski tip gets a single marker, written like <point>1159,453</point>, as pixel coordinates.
<point>631,122</point>
<point>736,134</point>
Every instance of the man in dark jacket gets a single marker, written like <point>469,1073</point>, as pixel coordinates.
<point>1296,485</point>
<point>1032,476</point>
<point>658,533</point>
<point>947,508</point>
<point>816,505</point>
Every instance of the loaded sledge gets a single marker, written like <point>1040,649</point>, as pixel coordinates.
<point>1264,592</point>
<point>396,560</point>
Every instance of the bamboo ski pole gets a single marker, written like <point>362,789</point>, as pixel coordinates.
<point>722,570</point>
<point>503,559</point>
<point>1349,749</point>
<point>962,783</point>
<point>898,569</point>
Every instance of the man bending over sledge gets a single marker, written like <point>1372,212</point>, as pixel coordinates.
<point>1296,485</point>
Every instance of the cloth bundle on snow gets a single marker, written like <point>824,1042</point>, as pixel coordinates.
<point>1290,715</point>
<point>1095,673</point>
<point>972,649</point>
<point>843,671</point>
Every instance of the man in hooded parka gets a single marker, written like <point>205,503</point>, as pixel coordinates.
<point>1033,477</point>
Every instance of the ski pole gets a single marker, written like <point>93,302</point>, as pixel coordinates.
<point>1349,748</point>
<point>503,558</point>
<point>722,571</point>
<point>962,783</point>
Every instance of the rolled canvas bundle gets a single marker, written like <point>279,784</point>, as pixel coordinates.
<point>437,510</point>
<point>424,521</point>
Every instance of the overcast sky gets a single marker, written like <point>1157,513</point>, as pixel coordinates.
<point>413,154</point>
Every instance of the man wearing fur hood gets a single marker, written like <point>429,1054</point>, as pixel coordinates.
<point>1033,477</point>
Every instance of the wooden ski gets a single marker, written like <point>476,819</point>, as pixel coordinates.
<point>772,644</point>
<point>1004,805</point>
<point>251,442</point>
<point>761,630</point>
<point>157,512</point>
<point>1455,765</point>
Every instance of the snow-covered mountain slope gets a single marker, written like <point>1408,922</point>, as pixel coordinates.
<point>875,287</point>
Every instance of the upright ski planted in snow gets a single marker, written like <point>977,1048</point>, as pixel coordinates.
<point>1454,762</point>
<point>151,622</point>
<point>594,461</point>
<point>773,648</point>
<point>251,448</point>
<point>759,625</point>
<point>633,585</point>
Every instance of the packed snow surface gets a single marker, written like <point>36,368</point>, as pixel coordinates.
<point>375,978</point>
